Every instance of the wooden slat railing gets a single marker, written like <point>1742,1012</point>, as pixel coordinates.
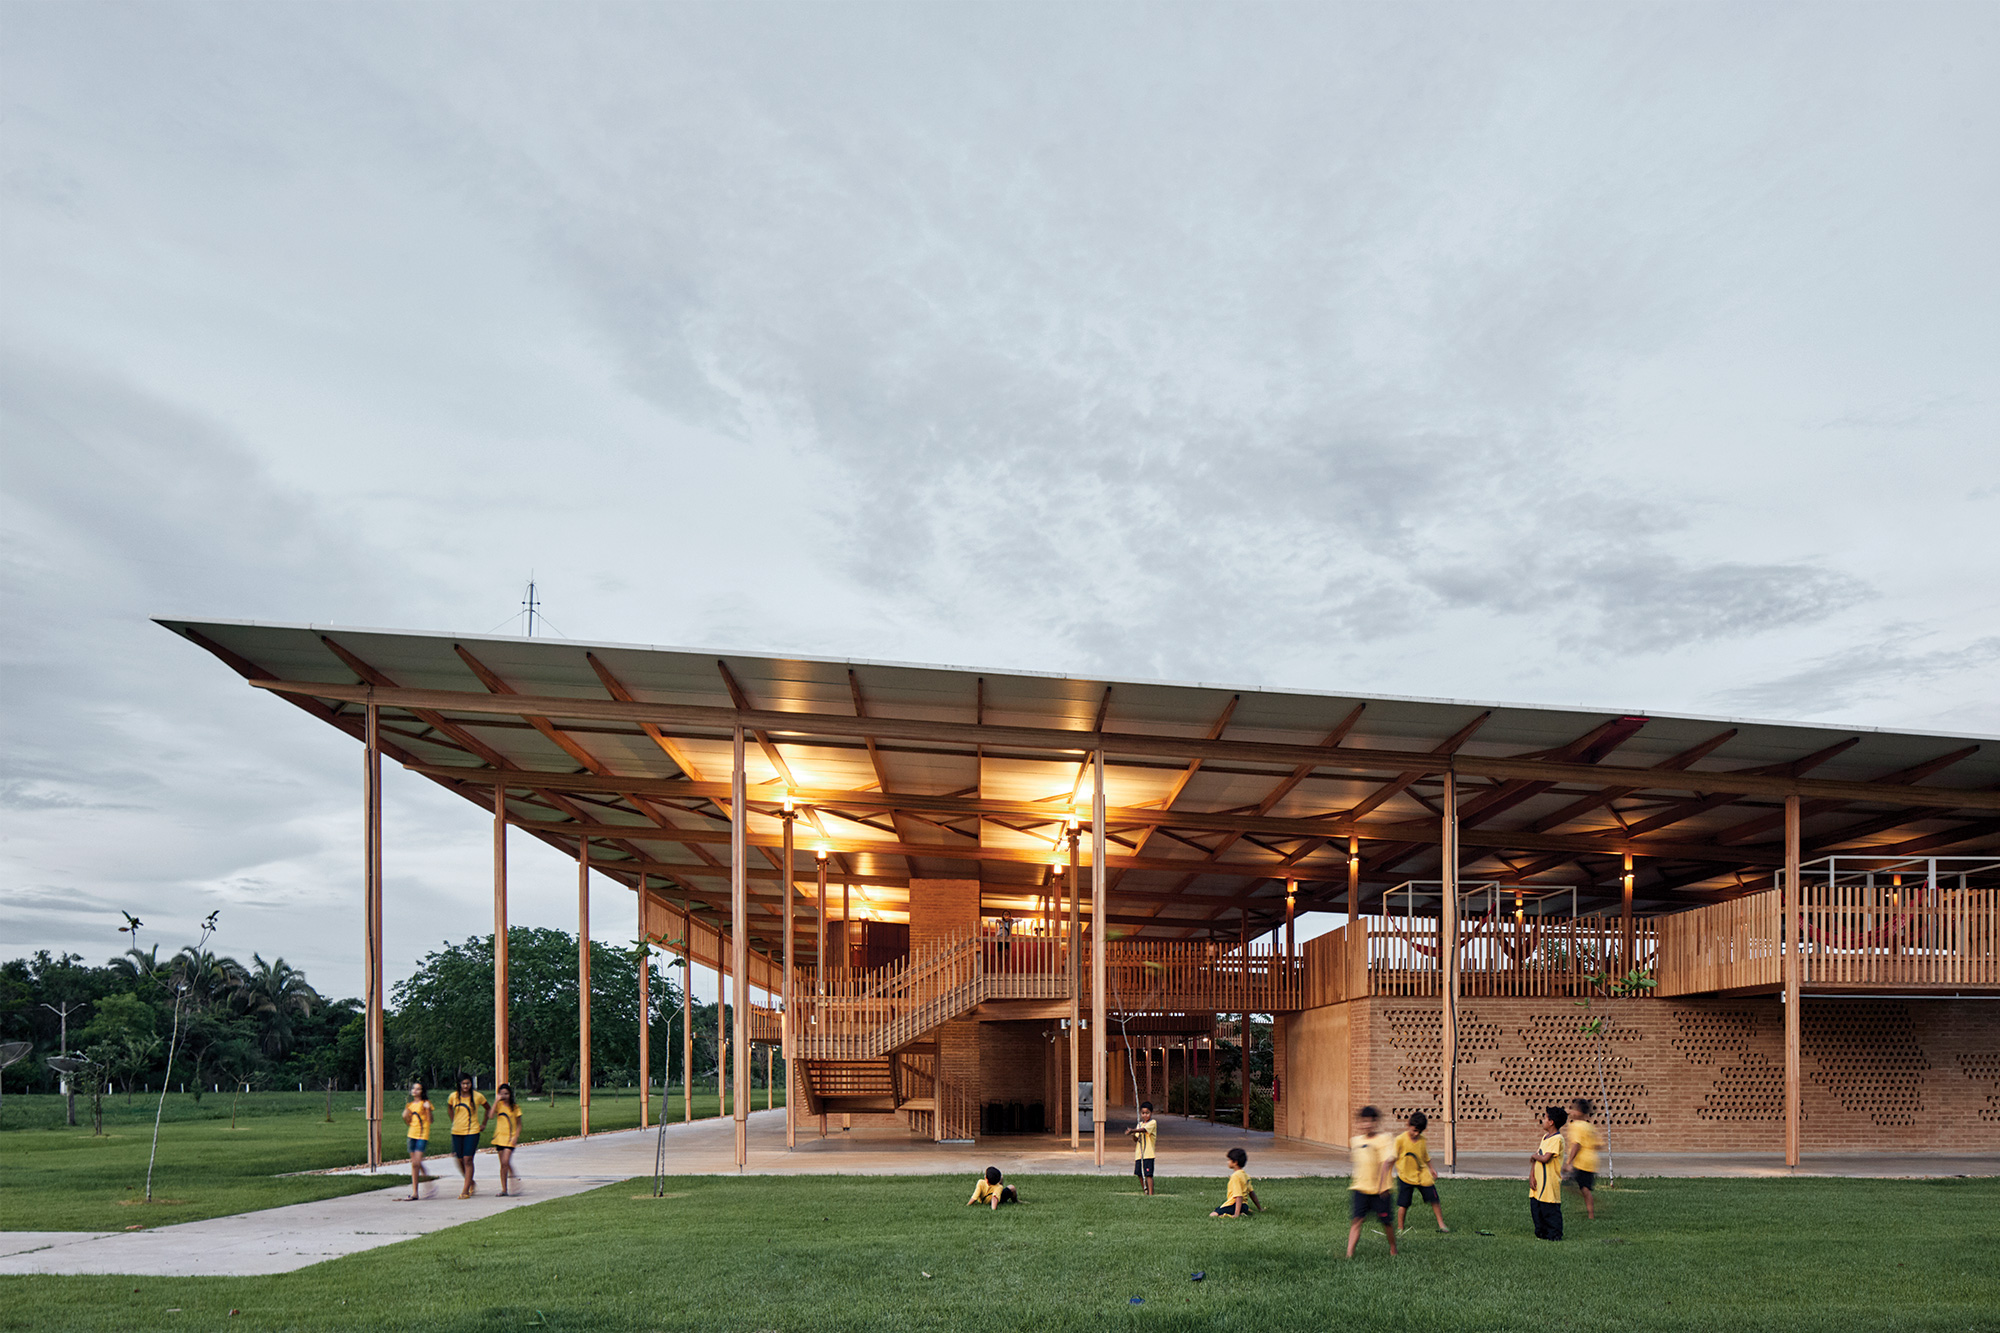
<point>1926,932</point>
<point>1149,976</point>
<point>865,1016</point>
<point>1502,955</point>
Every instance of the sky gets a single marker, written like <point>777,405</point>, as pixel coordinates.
<point>1634,356</point>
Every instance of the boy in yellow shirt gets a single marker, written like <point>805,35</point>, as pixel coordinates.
<point>1413,1172</point>
<point>1146,1139</point>
<point>1374,1155</point>
<point>1239,1195</point>
<point>1545,1182</point>
<point>1585,1141</point>
<point>469,1113</point>
<point>991,1190</point>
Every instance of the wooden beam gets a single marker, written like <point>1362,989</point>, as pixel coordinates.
<point>1182,748</point>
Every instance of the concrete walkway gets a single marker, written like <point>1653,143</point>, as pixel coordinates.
<point>280,1240</point>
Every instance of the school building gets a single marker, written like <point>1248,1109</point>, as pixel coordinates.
<point>1735,935</point>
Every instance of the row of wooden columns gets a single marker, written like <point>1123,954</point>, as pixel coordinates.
<point>738,961</point>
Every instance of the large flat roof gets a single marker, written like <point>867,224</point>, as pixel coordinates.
<point>1218,794</point>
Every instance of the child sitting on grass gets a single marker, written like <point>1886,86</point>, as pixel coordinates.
<point>1240,1195</point>
<point>991,1191</point>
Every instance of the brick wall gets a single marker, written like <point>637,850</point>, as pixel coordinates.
<point>942,909</point>
<point>1680,1075</point>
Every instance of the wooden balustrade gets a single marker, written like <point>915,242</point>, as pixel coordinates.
<point>1504,955</point>
<point>1926,933</point>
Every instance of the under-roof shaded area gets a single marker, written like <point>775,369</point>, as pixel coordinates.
<point>1217,795</point>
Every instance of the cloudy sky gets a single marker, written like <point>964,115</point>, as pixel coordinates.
<point>1638,356</point>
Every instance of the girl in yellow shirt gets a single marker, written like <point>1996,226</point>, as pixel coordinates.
<point>506,1134</point>
<point>417,1116</point>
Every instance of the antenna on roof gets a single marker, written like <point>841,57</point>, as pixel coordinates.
<point>530,605</point>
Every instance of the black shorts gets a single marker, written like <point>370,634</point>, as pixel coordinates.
<point>1585,1180</point>
<point>465,1145</point>
<point>1361,1205</point>
<point>1142,1166</point>
<point>1237,1209</point>
<point>1404,1189</point>
<point>1548,1219</point>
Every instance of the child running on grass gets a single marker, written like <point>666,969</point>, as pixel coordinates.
<point>1413,1172</point>
<point>1585,1140</point>
<point>469,1113</point>
<point>1240,1195</point>
<point>1373,1154</point>
<point>417,1115</point>
<point>991,1190</point>
<point>506,1134</point>
<point>1146,1136</point>
<point>1545,1182</point>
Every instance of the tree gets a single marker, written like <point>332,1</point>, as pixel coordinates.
<point>274,995</point>
<point>122,1038</point>
<point>444,1011</point>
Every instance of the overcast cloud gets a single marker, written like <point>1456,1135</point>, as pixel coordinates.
<point>1627,356</point>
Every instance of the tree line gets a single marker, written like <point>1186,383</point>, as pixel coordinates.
<point>264,1025</point>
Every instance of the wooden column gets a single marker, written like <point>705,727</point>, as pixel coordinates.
<point>846,931</point>
<point>1097,919</point>
<point>371,941</point>
<point>1626,943</point>
<point>1353,881</point>
<point>1075,994</point>
<point>645,1015</point>
<point>819,972</point>
<point>1791,904</point>
<point>687,1015</point>
<point>769,1051</point>
<point>739,949</point>
<point>721,1027</point>
<point>1448,947</point>
<point>785,995</point>
<point>1291,913</point>
<point>583,983</point>
<point>500,1035</point>
<point>1243,1035</point>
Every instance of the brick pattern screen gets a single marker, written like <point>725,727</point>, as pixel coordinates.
<point>1700,1075</point>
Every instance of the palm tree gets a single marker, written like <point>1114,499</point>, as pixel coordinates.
<point>272,993</point>
<point>138,964</point>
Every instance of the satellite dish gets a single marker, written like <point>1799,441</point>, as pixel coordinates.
<point>10,1051</point>
<point>67,1064</point>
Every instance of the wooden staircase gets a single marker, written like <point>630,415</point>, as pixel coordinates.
<point>868,1044</point>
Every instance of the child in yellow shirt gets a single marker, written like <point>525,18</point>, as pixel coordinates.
<point>1240,1196</point>
<point>1413,1172</point>
<point>417,1115</point>
<point>1146,1141</point>
<point>1545,1182</point>
<point>506,1135</point>
<point>991,1190</point>
<point>1374,1156</point>
<point>1585,1141</point>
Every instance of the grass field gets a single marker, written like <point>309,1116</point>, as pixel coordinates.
<point>895,1253</point>
<point>54,1178</point>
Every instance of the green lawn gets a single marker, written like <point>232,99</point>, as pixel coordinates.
<point>54,1178</point>
<point>903,1253</point>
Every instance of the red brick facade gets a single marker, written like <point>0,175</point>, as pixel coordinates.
<point>1696,1075</point>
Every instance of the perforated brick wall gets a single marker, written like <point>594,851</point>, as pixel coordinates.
<point>1693,1075</point>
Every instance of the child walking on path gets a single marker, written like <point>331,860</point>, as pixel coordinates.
<point>417,1115</point>
<point>1545,1182</point>
<point>506,1134</point>
<point>1146,1136</point>
<point>469,1113</point>
<point>1413,1172</point>
<point>991,1190</point>
<point>1373,1154</point>
<point>1240,1196</point>
<point>1585,1141</point>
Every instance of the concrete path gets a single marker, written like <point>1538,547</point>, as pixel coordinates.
<point>279,1240</point>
